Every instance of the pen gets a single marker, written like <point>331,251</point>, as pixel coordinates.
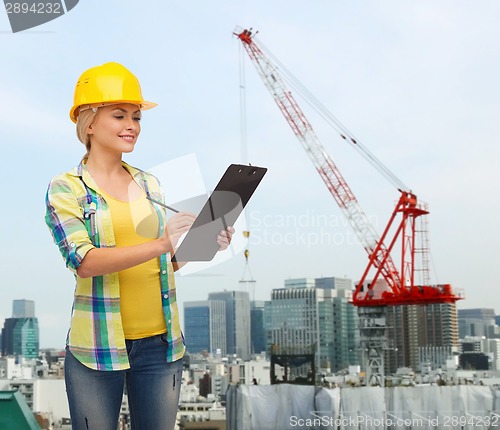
<point>161,204</point>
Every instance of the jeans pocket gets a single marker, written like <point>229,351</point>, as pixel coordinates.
<point>163,338</point>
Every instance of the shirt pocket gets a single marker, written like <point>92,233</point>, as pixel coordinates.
<point>90,217</point>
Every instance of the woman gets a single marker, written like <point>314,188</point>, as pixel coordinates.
<point>113,235</point>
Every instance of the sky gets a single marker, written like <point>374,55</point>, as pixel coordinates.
<point>415,81</point>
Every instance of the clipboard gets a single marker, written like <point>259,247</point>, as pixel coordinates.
<point>221,210</point>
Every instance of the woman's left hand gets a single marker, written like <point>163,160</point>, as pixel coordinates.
<point>224,238</point>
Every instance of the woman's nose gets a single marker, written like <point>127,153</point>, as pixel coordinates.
<point>131,124</point>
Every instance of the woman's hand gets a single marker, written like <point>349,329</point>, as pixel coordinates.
<point>224,238</point>
<point>177,225</point>
<point>101,261</point>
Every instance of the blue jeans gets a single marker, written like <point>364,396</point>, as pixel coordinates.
<point>153,388</point>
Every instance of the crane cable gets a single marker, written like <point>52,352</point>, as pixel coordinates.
<point>243,108</point>
<point>244,149</point>
<point>344,133</point>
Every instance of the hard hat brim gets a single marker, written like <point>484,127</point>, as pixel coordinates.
<point>144,105</point>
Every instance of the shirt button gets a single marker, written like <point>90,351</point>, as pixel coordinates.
<point>163,272</point>
<point>72,244</point>
<point>165,296</point>
<point>169,322</point>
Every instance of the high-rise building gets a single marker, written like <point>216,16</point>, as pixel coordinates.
<point>334,283</point>
<point>205,326</point>
<point>485,314</point>
<point>477,322</point>
<point>237,321</point>
<point>410,328</point>
<point>8,336</point>
<point>257,327</point>
<point>494,352</point>
<point>23,309</point>
<point>20,334</point>
<point>490,348</point>
<point>314,315</point>
<point>26,337</point>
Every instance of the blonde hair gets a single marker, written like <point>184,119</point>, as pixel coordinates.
<point>85,119</point>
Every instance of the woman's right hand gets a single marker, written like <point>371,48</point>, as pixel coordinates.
<point>177,225</point>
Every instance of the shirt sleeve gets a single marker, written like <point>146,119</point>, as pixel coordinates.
<point>64,217</point>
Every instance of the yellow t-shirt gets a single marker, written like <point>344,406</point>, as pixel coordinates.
<point>134,223</point>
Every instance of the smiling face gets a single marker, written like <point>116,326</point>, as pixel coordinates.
<point>115,128</point>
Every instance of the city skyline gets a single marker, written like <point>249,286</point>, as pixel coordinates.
<point>20,335</point>
<point>315,315</point>
<point>243,288</point>
<point>414,81</point>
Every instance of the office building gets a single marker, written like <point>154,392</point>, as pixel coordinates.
<point>205,326</point>
<point>481,346</point>
<point>494,353</point>
<point>314,315</point>
<point>20,334</point>
<point>334,283</point>
<point>237,305</point>
<point>23,309</point>
<point>257,327</point>
<point>477,322</point>
<point>485,314</point>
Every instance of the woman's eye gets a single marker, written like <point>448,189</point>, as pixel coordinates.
<point>137,119</point>
<point>119,116</point>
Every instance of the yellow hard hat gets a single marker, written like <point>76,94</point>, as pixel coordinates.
<point>107,84</point>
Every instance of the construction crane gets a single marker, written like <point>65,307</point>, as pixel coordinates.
<point>382,282</point>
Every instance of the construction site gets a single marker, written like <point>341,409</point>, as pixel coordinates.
<point>392,299</point>
<point>404,319</point>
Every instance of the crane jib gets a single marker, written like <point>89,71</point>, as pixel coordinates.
<point>387,285</point>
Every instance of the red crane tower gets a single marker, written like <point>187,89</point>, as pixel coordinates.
<point>382,282</point>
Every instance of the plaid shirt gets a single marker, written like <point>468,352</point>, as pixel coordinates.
<point>80,219</point>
